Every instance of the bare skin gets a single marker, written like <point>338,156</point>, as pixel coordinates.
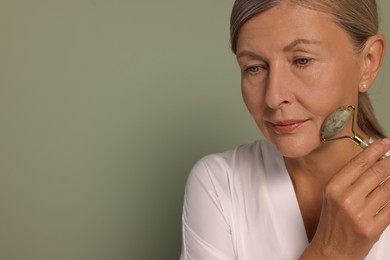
<point>350,223</point>
<point>297,67</point>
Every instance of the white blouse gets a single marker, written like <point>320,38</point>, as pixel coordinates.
<point>241,204</point>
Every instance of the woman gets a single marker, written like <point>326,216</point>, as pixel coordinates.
<point>292,196</point>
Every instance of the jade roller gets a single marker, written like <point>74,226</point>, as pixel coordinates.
<point>336,121</point>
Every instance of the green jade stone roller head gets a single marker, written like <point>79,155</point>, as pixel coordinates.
<point>336,121</point>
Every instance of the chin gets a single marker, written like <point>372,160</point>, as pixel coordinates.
<point>293,147</point>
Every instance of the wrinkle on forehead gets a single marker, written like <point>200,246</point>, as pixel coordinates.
<point>283,24</point>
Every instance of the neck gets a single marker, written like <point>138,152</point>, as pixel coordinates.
<point>321,165</point>
<point>310,175</point>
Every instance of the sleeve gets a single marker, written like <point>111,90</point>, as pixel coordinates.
<point>205,224</point>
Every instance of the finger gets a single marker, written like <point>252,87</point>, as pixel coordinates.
<point>361,163</point>
<point>372,178</point>
<point>382,219</point>
<point>379,198</point>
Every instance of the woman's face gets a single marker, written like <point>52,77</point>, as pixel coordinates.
<point>297,67</point>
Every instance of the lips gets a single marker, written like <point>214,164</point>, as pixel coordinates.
<point>288,126</point>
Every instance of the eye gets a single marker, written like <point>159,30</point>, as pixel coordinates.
<point>253,69</point>
<point>302,61</point>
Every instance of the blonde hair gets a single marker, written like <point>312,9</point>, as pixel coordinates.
<point>359,18</point>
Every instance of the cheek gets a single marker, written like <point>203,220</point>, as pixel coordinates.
<point>253,98</point>
<point>329,91</point>
<point>339,81</point>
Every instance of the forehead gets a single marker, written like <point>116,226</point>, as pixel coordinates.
<point>287,22</point>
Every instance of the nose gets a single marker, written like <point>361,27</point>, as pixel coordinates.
<point>279,91</point>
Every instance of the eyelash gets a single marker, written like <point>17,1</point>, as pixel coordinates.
<point>250,69</point>
<point>258,69</point>
<point>302,65</point>
<point>297,63</point>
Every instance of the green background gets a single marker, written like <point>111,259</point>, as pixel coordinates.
<point>104,107</point>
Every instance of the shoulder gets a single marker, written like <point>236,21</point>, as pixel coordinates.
<point>220,171</point>
<point>223,163</point>
<point>246,154</point>
<point>210,202</point>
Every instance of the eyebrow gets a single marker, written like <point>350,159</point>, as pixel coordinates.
<point>287,48</point>
<point>297,42</point>
<point>249,54</point>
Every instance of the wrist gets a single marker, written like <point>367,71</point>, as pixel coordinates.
<point>324,252</point>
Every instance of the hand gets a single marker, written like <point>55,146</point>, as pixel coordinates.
<point>354,212</point>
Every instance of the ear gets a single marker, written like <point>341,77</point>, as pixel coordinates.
<point>372,56</point>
